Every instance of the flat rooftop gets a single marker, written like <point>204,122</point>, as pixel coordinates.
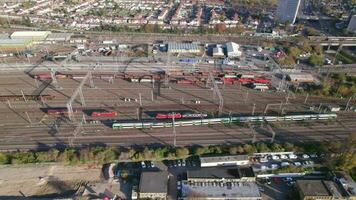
<point>154,182</point>
<point>223,158</point>
<point>313,188</point>
<point>234,190</point>
<point>214,173</point>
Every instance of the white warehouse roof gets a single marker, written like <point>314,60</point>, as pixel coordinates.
<point>30,34</point>
<point>232,49</point>
<point>301,77</point>
<point>183,47</point>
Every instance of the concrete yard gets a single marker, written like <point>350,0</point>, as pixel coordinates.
<point>44,179</point>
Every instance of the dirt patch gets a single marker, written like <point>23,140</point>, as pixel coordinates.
<point>45,179</point>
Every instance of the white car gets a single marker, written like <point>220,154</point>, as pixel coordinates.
<point>305,156</point>
<point>313,155</point>
<point>274,166</point>
<point>263,160</point>
<point>275,157</point>
<point>292,156</point>
<point>143,164</point>
<point>284,164</point>
<point>283,156</point>
<point>297,164</point>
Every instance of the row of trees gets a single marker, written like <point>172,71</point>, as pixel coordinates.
<point>100,155</point>
<point>338,155</point>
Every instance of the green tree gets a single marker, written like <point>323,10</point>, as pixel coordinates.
<point>5,158</point>
<point>181,152</point>
<point>277,147</point>
<point>70,156</point>
<point>262,147</point>
<point>316,60</point>
<point>249,149</point>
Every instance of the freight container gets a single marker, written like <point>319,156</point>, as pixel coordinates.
<point>168,116</point>
<point>185,81</point>
<point>42,76</point>
<point>260,80</point>
<point>104,114</point>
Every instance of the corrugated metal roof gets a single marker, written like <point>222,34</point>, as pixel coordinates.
<point>30,34</point>
<point>13,41</point>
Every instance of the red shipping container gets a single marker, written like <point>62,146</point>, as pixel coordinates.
<point>104,114</point>
<point>263,81</point>
<point>43,76</point>
<point>184,82</point>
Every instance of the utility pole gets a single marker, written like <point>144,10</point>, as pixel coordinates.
<point>174,131</point>
<point>348,102</point>
<point>306,98</point>
<point>253,109</point>
<point>140,98</point>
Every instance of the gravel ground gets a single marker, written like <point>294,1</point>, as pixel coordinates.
<point>44,179</point>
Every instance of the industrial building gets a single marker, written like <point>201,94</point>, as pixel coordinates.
<point>222,191</point>
<point>218,52</point>
<point>300,78</point>
<point>287,11</point>
<point>11,44</point>
<point>211,174</point>
<point>215,161</point>
<point>318,189</point>
<point>59,37</point>
<point>30,35</point>
<point>233,50</point>
<point>174,47</point>
<point>221,183</point>
<point>352,25</point>
<point>153,185</point>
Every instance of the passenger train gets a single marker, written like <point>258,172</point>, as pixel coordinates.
<point>202,121</point>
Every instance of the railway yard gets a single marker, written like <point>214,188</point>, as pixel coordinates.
<point>34,110</point>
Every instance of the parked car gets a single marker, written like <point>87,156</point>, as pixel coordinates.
<point>274,166</point>
<point>263,160</point>
<point>297,164</point>
<point>275,157</point>
<point>179,185</point>
<point>313,155</point>
<point>284,164</point>
<point>292,156</point>
<point>143,165</point>
<point>283,156</point>
<point>305,156</point>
